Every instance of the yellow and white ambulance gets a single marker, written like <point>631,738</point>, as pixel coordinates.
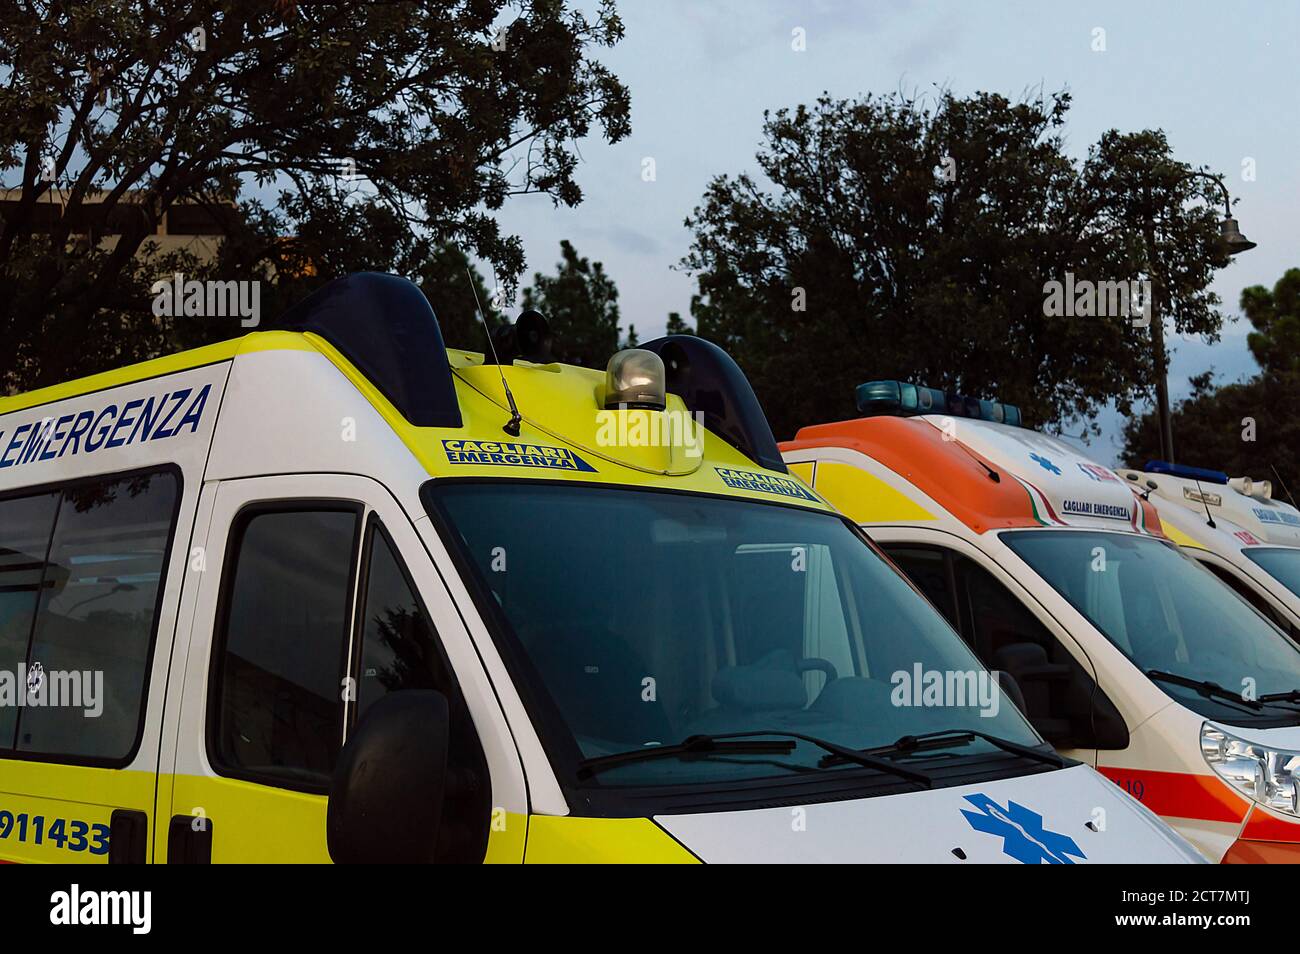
<point>334,592</point>
<point>1129,655</point>
<point>1235,528</point>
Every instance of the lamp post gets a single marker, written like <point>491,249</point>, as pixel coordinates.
<point>1233,242</point>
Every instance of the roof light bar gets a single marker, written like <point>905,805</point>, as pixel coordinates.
<point>1182,470</point>
<point>898,398</point>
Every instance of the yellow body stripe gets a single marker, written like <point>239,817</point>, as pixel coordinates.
<point>1180,538</point>
<point>864,497</point>
<point>803,471</point>
<point>80,799</point>
<point>569,840</point>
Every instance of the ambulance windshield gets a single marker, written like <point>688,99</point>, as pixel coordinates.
<point>1170,616</point>
<point>1281,563</point>
<point>636,618</point>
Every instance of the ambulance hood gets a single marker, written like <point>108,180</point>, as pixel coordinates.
<point>1033,819</point>
<point>1067,488</point>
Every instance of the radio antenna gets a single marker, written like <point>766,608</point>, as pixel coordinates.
<point>1209,518</point>
<point>1282,482</point>
<point>511,426</point>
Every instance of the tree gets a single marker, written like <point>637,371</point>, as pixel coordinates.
<point>116,111</point>
<point>1246,427</point>
<point>581,303</point>
<point>676,326</point>
<point>1275,315</point>
<point>897,238</point>
<point>337,236</point>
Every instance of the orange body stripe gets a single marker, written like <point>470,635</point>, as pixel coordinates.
<point>1182,794</point>
<point>1261,826</point>
<point>1244,852</point>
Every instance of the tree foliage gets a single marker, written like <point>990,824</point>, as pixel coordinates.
<point>918,237</point>
<point>441,109</point>
<point>1275,315</point>
<point>581,303</point>
<point>1245,427</point>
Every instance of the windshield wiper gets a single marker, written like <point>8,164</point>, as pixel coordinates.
<point>698,746</point>
<point>1291,695</point>
<point>944,738</point>
<point>1205,687</point>
<point>730,743</point>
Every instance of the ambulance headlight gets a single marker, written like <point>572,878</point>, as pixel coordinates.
<point>1265,775</point>
<point>635,378</point>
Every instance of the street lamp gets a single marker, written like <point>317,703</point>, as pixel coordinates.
<point>1232,238</point>
<point>1233,242</point>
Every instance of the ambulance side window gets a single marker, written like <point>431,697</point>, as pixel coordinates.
<point>81,574</point>
<point>399,648</point>
<point>276,708</point>
<point>25,527</point>
<point>1061,699</point>
<point>931,571</point>
<point>1251,597</point>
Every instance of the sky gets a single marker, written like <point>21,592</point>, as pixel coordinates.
<point>1219,79</point>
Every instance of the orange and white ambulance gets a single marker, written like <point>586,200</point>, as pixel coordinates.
<point>1128,654</point>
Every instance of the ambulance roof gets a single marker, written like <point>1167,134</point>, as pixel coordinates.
<point>1266,520</point>
<point>450,410</point>
<point>1040,480</point>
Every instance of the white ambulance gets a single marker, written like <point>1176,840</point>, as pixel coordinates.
<point>1129,655</point>
<point>334,592</point>
<point>1236,528</point>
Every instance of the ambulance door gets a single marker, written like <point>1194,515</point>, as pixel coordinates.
<point>87,613</point>
<point>313,598</point>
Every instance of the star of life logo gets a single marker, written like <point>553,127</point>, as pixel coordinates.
<point>1024,835</point>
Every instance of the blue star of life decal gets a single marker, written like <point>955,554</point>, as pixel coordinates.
<point>1045,463</point>
<point>1021,830</point>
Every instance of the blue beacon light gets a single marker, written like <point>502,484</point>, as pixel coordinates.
<point>901,399</point>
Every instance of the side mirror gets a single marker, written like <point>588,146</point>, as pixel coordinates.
<point>386,798</point>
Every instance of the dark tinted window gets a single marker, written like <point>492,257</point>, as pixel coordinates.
<point>1060,697</point>
<point>929,570</point>
<point>25,527</point>
<point>399,651</point>
<point>1248,594</point>
<point>94,631</point>
<point>998,618</point>
<point>280,663</point>
<point>1162,610</point>
<point>636,618</point>
<point>399,648</point>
